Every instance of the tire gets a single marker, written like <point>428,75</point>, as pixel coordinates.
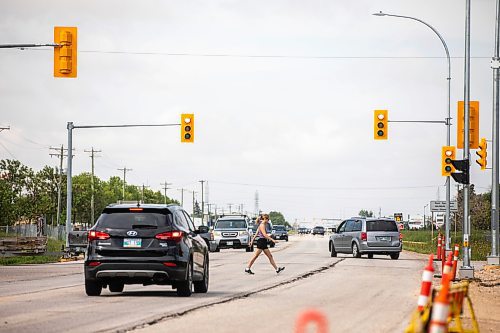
<point>217,250</point>
<point>395,256</point>
<point>370,255</point>
<point>202,286</point>
<point>286,240</point>
<point>333,253</point>
<point>185,288</point>
<point>92,288</point>
<point>355,251</point>
<point>116,287</point>
<point>272,244</point>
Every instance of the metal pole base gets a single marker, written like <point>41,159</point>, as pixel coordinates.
<point>493,260</point>
<point>466,272</point>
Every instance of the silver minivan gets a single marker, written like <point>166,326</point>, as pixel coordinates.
<point>369,236</point>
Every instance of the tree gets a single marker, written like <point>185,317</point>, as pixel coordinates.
<point>365,213</point>
<point>480,209</point>
<point>278,218</point>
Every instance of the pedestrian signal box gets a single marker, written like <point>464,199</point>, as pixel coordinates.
<point>398,217</point>
<point>187,127</point>
<point>380,125</point>
<point>65,54</point>
<point>447,156</point>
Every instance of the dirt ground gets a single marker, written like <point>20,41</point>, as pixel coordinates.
<point>484,292</point>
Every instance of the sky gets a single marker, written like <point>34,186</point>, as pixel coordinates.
<point>283,94</point>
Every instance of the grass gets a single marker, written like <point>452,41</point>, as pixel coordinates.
<point>420,241</point>
<point>53,245</point>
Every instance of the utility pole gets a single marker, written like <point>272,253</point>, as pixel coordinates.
<point>165,188</point>
<point>467,271</point>
<point>61,156</point>
<point>92,156</point>
<point>142,191</point>
<point>230,205</point>
<point>202,203</point>
<point>124,179</point>
<point>182,196</point>
<point>494,257</point>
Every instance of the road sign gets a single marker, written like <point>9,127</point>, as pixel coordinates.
<point>440,206</point>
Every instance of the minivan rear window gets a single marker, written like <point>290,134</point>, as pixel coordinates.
<point>381,225</point>
<point>134,220</point>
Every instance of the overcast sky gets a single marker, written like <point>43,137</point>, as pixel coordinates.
<point>296,127</point>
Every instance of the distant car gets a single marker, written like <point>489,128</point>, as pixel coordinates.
<point>318,230</point>
<point>279,232</point>
<point>366,236</point>
<point>145,244</point>
<point>302,231</point>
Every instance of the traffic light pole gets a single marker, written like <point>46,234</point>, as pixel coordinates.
<point>494,258</point>
<point>69,200</point>
<point>466,271</point>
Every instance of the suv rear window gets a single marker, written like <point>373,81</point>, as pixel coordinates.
<point>381,225</point>
<point>279,227</point>
<point>134,220</point>
<point>231,224</point>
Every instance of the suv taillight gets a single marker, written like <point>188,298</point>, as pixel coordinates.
<point>363,236</point>
<point>93,235</point>
<point>171,235</point>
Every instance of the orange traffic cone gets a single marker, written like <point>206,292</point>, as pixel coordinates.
<point>425,289</point>
<point>311,316</point>
<point>440,245</point>
<point>441,308</point>
<point>455,262</point>
<point>447,268</point>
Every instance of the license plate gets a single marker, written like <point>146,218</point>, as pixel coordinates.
<point>229,243</point>
<point>132,242</point>
<point>384,239</point>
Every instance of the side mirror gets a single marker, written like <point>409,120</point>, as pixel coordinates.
<point>203,229</point>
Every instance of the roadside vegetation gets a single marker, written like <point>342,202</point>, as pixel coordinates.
<point>420,241</point>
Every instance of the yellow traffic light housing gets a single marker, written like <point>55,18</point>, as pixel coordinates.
<point>447,155</point>
<point>482,153</point>
<point>473,125</point>
<point>187,127</point>
<point>65,64</point>
<point>380,125</point>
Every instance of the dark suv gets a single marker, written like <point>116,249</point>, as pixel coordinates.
<point>279,232</point>
<point>145,244</point>
<point>318,230</point>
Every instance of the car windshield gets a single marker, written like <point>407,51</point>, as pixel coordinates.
<point>279,227</point>
<point>320,228</point>
<point>231,224</point>
<point>134,220</point>
<point>381,225</point>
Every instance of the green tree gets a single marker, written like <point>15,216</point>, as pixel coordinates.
<point>365,213</point>
<point>278,218</point>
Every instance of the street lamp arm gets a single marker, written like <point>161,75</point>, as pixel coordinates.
<point>430,27</point>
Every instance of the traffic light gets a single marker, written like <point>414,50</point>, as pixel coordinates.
<point>187,127</point>
<point>447,156</point>
<point>65,54</point>
<point>380,125</point>
<point>463,176</point>
<point>482,153</point>
<point>473,125</point>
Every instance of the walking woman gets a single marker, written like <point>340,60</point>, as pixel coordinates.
<point>262,238</point>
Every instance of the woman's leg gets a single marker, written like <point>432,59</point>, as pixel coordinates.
<point>271,259</point>
<point>255,256</point>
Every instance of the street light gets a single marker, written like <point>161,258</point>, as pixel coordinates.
<point>448,120</point>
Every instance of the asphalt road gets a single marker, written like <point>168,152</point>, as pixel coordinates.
<point>375,295</point>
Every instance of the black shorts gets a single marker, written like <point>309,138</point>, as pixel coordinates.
<point>262,243</point>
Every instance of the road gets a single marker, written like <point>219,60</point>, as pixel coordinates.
<point>375,295</point>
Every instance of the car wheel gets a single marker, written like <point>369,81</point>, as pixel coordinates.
<point>185,288</point>
<point>395,256</point>
<point>116,287</point>
<point>92,288</point>
<point>355,251</point>
<point>333,253</point>
<point>272,244</point>
<point>286,239</point>
<point>202,286</point>
<point>370,255</point>
<point>217,250</point>
<point>249,249</point>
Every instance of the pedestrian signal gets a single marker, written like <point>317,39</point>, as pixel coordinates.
<point>447,156</point>
<point>482,153</point>
<point>380,125</point>
<point>66,51</point>
<point>187,127</point>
